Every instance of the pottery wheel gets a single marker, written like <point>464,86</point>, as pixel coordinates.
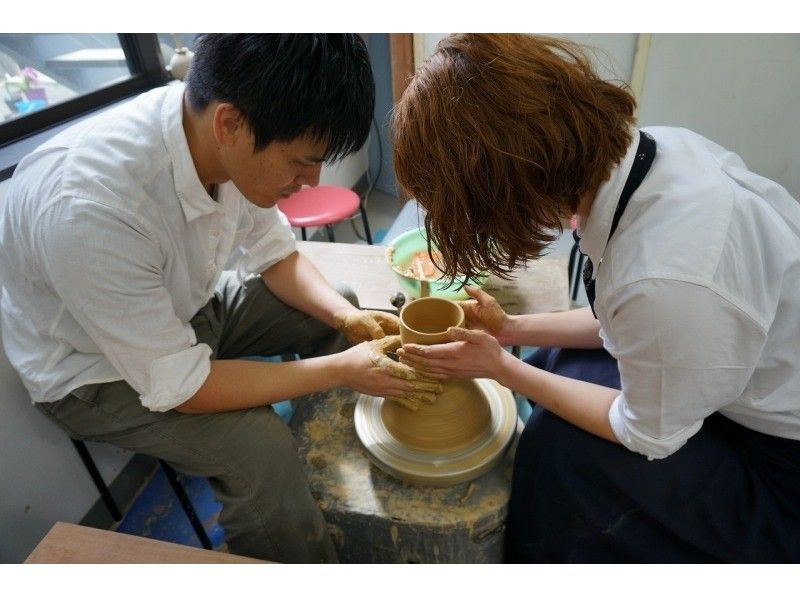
<point>462,435</point>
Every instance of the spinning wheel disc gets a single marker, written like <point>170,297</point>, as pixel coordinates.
<point>458,438</point>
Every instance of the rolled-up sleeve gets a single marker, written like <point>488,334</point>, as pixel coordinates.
<point>107,270</point>
<point>175,378</point>
<point>684,352</point>
<point>264,237</point>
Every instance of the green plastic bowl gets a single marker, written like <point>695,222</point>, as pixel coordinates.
<point>399,254</point>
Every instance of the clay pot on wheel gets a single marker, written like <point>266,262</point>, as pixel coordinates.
<point>457,438</point>
<point>425,321</point>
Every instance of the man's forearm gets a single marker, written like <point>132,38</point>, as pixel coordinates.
<point>297,282</point>
<point>241,384</point>
<point>575,329</point>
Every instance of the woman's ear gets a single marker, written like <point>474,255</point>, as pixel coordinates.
<point>228,124</point>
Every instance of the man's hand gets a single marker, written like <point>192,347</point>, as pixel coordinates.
<point>365,325</point>
<point>372,371</point>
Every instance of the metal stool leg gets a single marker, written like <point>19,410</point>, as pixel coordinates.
<point>183,498</point>
<point>578,279</point>
<point>303,233</point>
<point>574,273</point>
<point>329,229</point>
<point>102,488</point>
<point>366,222</point>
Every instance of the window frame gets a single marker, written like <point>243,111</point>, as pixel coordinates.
<point>143,55</point>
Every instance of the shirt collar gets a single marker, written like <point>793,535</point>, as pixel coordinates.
<point>593,231</point>
<point>193,197</point>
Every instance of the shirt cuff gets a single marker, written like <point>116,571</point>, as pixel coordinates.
<point>621,418</point>
<point>176,378</point>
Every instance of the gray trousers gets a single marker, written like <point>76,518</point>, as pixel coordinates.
<point>249,456</point>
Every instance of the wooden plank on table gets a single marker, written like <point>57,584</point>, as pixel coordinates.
<point>363,267</point>
<point>70,543</point>
<point>542,286</point>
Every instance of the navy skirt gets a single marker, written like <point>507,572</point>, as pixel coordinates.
<point>730,494</point>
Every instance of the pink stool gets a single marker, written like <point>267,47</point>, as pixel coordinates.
<point>323,206</point>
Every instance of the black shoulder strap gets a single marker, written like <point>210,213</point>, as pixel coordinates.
<point>645,153</point>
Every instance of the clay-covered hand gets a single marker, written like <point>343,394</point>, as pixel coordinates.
<point>471,354</point>
<point>421,389</point>
<point>365,325</point>
<point>483,312</point>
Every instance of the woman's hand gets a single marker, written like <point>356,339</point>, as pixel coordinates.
<point>365,325</point>
<point>369,369</point>
<point>483,312</point>
<point>472,354</point>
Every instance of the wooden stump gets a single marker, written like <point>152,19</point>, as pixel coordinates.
<point>374,518</point>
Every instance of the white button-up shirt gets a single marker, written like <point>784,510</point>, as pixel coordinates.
<point>698,295</point>
<point>109,244</point>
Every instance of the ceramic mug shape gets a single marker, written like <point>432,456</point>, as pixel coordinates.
<point>425,321</point>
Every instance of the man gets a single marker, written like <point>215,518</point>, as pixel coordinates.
<point>142,255</point>
<point>681,440</point>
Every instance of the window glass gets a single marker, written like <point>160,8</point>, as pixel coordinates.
<point>38,70</point>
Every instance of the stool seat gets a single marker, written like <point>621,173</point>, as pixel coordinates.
<point>323,206</point>
<point>318,206</point>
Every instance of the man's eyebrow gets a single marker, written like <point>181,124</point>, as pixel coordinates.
<point>313,158</point>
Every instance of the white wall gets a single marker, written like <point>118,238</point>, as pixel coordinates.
<point>346,172</point>
<point>740,90</point>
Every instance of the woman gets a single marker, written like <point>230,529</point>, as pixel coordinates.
<point>668,419</point>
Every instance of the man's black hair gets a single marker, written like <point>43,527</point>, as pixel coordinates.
<point>288,85</point>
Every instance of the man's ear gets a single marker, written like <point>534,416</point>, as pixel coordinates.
<point>228,124</point>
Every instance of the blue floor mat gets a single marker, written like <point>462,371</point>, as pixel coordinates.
<point>156,512</point>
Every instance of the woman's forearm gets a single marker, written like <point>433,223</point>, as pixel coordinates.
<point>583,404</point>
<point>575,329</point>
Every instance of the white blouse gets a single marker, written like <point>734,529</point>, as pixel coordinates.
<point>109,244</point>
<point>698,295</point>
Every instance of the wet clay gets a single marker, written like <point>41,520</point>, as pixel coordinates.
<point>458,417</point>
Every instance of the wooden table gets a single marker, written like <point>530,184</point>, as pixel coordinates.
<point>70,543</point>
<point>542,286</point>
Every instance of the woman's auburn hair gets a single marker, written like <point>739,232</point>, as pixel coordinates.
<point>497,136</point>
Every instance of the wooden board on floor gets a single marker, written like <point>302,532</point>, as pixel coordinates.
<point>70,543</point>
<point>543,286</point>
